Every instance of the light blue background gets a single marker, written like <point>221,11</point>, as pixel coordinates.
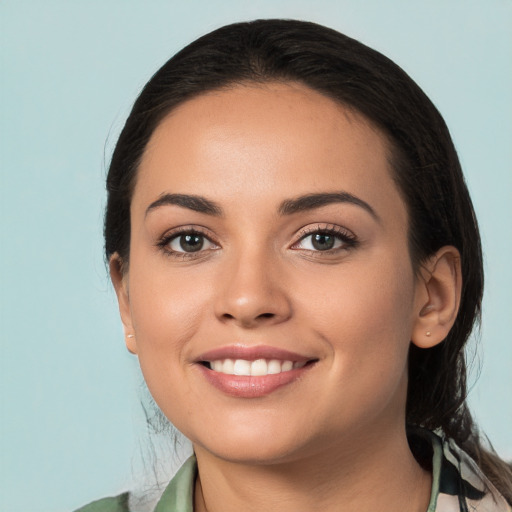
<point>70,417</point>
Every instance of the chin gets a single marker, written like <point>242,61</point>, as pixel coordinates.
<point>255,455</point>
<point>256,447</point>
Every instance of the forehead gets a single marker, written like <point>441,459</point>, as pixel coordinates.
<point>276,140</point>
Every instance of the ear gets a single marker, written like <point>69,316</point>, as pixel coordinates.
<point>119,279</point>
<point>437,297</point>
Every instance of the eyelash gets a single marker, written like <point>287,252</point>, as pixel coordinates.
<point>347,238</point>
<point>164,242</point>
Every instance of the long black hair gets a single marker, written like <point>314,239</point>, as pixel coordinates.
<point>425,167</point>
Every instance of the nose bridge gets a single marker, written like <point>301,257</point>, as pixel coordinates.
<point>252,291</point>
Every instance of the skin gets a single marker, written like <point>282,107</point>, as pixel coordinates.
<point>338,431</point>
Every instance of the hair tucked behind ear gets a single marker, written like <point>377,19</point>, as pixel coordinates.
<point>425,164</point>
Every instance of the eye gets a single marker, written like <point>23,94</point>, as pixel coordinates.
<point>186,243</point>
<point>190,242</point>
<point>320,242</point>
<point>326,239</point>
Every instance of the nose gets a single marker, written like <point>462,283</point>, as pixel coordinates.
<point>252,293</point>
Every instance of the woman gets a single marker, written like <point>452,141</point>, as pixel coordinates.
<point>298,268</point>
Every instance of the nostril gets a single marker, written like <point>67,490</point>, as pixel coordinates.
<point>266,315</point>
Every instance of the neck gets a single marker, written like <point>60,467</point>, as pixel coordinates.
<point>371,473</point>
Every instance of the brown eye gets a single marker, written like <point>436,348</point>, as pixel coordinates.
<point>189,243</point>
<point>323,241</point>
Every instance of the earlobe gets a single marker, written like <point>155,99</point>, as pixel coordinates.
<point>120,281</point>
<point>437,297</point>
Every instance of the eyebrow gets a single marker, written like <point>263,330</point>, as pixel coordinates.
<point>313,201</point>
<point>196,203</point>
<point>288,207</point>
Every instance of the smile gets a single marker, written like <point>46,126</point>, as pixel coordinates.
<point>257,368</point>
<point>252,372</point>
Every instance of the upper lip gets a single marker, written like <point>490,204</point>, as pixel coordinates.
<point>252,353</point>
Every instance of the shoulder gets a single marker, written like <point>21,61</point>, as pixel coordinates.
<point>462,483</point>
<point>178,495</point>
<point>114,504</point>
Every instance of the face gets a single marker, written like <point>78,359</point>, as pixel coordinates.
<point>270,288</point>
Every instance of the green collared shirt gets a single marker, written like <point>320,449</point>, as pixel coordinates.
<point>457,486</point>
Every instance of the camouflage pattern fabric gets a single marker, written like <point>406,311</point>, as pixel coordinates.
<point>461,486</point>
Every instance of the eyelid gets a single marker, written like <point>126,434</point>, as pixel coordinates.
<point>164,241</point>
<point>176,238</point>
<point>347,237</point>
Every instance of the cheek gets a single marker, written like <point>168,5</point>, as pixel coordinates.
<point>167,310</point>
<point>376,293</point>
<point>364,313</point>
<point>368,333</point>
<point>165,318</point>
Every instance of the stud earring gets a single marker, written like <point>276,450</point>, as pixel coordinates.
<point>130,335</point>
<point>428,333</point>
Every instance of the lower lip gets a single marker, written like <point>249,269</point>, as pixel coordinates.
<point>242,386</point>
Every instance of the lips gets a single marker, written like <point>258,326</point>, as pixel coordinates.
<point>252,372</point>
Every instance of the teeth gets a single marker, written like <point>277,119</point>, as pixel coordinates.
<point>242,367</point>
<point>217,366</point>
<point>260,367</point>
<point>287,366</point>
<point>228,366</point>
<point>274,366</point>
